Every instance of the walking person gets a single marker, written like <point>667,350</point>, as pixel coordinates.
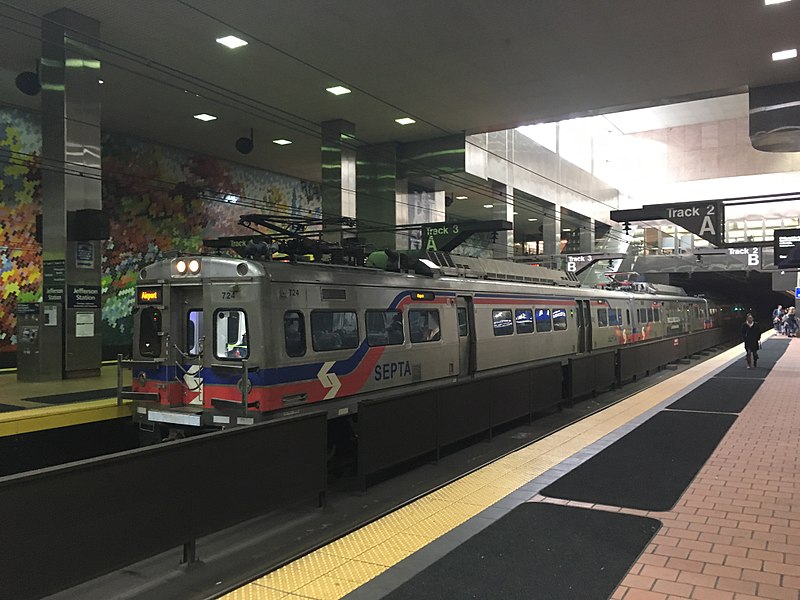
<point>790,322</point>
<point>751,338</point>
<point>777,318</point>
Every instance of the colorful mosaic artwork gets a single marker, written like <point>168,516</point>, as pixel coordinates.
<point>159,199</point>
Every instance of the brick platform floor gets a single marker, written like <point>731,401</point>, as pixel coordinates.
<point>735,532</point>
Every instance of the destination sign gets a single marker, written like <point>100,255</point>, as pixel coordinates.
<point>149,295</point>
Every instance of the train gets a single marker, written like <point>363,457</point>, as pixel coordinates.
<point>222,341</point>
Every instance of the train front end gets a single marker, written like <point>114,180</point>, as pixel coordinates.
<point>194,343</point>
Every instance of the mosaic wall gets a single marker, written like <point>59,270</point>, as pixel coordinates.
<point>159,199</point>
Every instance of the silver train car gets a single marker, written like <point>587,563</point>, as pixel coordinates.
<point>221,341</point>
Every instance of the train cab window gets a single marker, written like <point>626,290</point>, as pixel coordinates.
<point>384,327</point>
<point>656,315</point>
<point>602,317</point>
<point>543,321</point>
<point>524,319</point>
<point>502,324</point>
<point>294,333</point>
<point>649,315</point>
<point>463,322</point>
<point>559,319</point>
<point>230,334</point>
<point>194,332</point>
<point>423,325</point>
<point>149,332</point>
<point>333,330</point>
<point>613,320</point>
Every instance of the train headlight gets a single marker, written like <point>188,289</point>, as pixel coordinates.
<point>180,266</point>
<point>194,265</point>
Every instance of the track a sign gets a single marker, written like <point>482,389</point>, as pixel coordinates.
<point>704,219</point>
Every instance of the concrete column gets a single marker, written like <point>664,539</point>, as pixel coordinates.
<point>70,185</point>
<point>338,173</point>
<point>376,196</point>
<point>551,230</point>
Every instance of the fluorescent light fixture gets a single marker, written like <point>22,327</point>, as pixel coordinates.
<point>205,117</point>
<point>768,2</point>
<point>785,54</point>
<point>516,213</point>
<point>532,219</point>
<point>488,206</point>
<point>281,142</point>
<point>405,121</point>
<point>461,197</point>
<point>231,41</point>
<point>337,90</point>
<point>100,81</point>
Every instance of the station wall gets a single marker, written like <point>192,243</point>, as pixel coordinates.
<point>159,199</point>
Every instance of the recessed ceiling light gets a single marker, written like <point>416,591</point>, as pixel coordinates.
<point>785,54</point>
<point>281,142</point>
<point>768,2</point>
<point>532,219</point>
<point>231,41</point>
<point>488,206</point>
<point>100,81</point>
<point>461,197</point>
<point>337,90</point>
<point>405,121</point>
<point>205,117</point>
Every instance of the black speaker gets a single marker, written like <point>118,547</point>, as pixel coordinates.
<point>28,83</point>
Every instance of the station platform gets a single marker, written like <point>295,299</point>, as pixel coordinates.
<point>27,407</point>
<point>704,504</point>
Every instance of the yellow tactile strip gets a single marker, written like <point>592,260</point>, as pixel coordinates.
<point>349,562</point>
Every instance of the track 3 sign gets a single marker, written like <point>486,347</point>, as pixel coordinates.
<point>704,219</point>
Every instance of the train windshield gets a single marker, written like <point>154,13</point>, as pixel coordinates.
<point>150,332</point>
<point>230,334</point>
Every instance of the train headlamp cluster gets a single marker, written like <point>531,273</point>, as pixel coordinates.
<point>187,266</point>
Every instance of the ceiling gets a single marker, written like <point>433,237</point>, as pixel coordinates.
<point>461,65</point>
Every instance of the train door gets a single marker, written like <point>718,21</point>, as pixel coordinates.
<point>466,335</point>
<point>584,319</point>
<point>188,342</point>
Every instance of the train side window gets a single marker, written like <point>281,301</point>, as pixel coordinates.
<point>423,325</point>
<point>463,322</point>
<point>333,330</point>
<point>524,319</point>
<point>502,323</point>
<point>149,330</point>
<point>628,317</point>
<point>194,332</point>
<point>559,319</point>
<point>230,335</point>
<point>656,315</point>
<point>602,317</point>
<point>612,317</point>
<point>294,333</point>
<point>649,315</point>
<point>543,322</point>
<point>642,315</point>
<point>384,327</point>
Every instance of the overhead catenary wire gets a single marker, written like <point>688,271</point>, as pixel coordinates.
<point>311,128</point>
